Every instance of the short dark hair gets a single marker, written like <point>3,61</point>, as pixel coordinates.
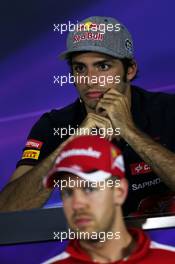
<point>126,62</point>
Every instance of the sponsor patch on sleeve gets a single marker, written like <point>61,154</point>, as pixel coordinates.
<point>31,154</point>
<point>33,143</point>
<point>140,168</point>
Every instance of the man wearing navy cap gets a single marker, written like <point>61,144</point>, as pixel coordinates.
<point>100,53</point>
<point>94,215</point>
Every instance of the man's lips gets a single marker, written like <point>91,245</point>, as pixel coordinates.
<point>94,95</point>
<point>80,222</point>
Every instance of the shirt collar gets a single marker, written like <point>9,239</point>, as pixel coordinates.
<point>141,250</point>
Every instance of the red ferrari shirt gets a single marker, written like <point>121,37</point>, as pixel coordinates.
<point>146,252</point>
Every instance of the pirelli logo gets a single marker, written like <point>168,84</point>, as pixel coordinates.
<point>31,154</point>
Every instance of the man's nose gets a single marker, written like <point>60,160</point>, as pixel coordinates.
<point>92,78</point>
<point>78,200</point>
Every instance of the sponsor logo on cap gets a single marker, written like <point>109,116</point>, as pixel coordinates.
<point>79,152</point>
<point>31,154</point>
<point>128,45</point>
<point>119,163</point>
<point>88,26</point>
<point>88,36</point>
<point>114,153</point>
<point>32,143</point>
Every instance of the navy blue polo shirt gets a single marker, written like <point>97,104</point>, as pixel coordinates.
<point>153,113</point>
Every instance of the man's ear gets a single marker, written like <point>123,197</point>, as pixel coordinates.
<point>132,70</point>
<point>121,192</point>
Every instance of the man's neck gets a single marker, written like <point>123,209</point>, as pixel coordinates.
<point>112,249</point>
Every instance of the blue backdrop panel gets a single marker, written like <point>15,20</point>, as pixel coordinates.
<point>29,50</point>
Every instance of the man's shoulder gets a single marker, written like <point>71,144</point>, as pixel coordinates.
<point>76,105</point>
<point>156,245</point>
<point>47,132</point>
<point>151,96</point>
<point>61,258</point>
<point>156,106</point>
<point>63,115</point>
<point>147,250</point>
<point>162,253</point>
<point>66,110</point>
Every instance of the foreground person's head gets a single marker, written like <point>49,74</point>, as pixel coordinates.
<point>91,176</point>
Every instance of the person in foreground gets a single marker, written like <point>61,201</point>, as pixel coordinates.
<point>91,211</point>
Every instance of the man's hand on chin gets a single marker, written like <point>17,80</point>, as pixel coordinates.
<point>115,106</point>
<point>94,121</point>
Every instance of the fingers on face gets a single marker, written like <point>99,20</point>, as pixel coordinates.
<point>103,105</point>
<point>100,121</point>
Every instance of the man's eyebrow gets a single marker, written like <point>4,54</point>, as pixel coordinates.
<point>74,62</point>
<point>102,61</point>
<point>67,188</point>
<point>77,62</point>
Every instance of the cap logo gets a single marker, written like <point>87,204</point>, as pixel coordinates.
<point>114,153</point>
<point>99,34</point>
<point>119,163</point>
<point>88,36</point>
<point>79,152</point>
<point>88,26</point>
<point>128,45</point>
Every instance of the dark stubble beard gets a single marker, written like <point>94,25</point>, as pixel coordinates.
<point>121,89</point>
<point>105,229</point>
